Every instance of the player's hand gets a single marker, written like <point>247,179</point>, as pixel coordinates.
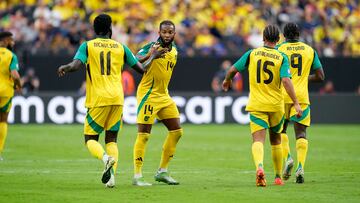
<point>18,90</point>
<point>298,110</point>
<point>159,53</point>
<point>226,85</point>
<point>154,47</point>
<point>61,71</point>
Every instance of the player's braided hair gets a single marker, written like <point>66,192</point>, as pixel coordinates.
<point>271,33</point>
<point>166,22</point>
<point>291,31</point>
<point>5,34</point>
<point>102,24</point>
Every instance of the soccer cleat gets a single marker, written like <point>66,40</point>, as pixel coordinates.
<point>140,182</point>
<point>289,164</point>
<point>278,181</point>
<point>165,178</point>
<point>299,175</point>
<point>260,178</point>
<point>107,171</point>
<point>111,182</point>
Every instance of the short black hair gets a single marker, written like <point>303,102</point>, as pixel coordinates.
<point>271,33</point>
<point>102,24</point>
<point>5,34</point>
<point>291,31</point>
<point>166,22</point>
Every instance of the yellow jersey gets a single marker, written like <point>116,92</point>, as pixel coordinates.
<point>302,59</point>
<point>156,80</point>
<point>8,62</point>
<point>266,67</point>
<point>104,59</point>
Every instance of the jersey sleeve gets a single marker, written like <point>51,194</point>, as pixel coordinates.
<point>145,49</point>
<point>14,65</point>
<point>81,53</point>
<point>284,69</point>
<point>129,57</point>
<point>243,62</point>
<point>316,62</point>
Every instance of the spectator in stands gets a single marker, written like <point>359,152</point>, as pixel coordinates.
<point>30,82</point>
<point>211,27</point>
<point>328,88</point>
<point>219,76</point>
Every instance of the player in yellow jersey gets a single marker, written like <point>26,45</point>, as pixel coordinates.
<point>103,60</point>
<point>10,79</point>
<point>268,71</point>
<point>303,59</point>
<point>154,101</point>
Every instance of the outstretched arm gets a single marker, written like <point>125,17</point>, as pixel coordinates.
<point>319,76</point>
<point>291,92</point>
<point>75,65</point>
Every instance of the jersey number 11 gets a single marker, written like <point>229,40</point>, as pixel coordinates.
<point>108,63</point>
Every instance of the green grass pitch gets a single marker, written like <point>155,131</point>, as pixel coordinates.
<point>49,163</point>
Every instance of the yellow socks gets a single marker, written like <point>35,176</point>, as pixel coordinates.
<point>285,146</point>
<point>3,134</point>
<point>112,150</point>
<point>301,149</point>
<point>169,147</point>
<point>139,152</point>
<point>258,154</point>
<point>277,154</point>
<point>95,148</point>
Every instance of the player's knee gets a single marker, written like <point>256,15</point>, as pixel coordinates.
<point>91,137</point>
<point>111,136</point>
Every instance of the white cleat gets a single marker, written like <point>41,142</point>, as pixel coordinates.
<point>111,182</point>
<point>140,182</point>
<point>289,164</point>
<point>107,171</point>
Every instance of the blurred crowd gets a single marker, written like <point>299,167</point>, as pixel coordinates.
<point>204,27</point>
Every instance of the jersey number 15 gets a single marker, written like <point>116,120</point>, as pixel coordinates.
<point>266,70</point>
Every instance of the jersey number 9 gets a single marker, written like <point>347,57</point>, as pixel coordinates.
<point>297,65</point>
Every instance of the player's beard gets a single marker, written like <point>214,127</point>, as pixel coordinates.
<point>164,43</point>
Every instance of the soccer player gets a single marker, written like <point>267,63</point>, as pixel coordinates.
<point>268,70</point>
<point>303,59</point>
<point>103,60</point>
<point>154,101</point>
<point>10,79</point>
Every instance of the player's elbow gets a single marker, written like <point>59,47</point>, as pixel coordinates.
<point>286,82</point>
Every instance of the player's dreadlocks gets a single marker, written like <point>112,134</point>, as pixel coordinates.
<point>271,33</point>
<point>166,22</point>
<point>102,24</point>
<point>5,34</point>
<point>291,31</point>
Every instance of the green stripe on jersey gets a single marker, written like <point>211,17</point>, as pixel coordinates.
<point>145,98</point>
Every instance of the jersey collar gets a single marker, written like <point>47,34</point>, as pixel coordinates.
<point>269,47</point>
<point>292,40</point>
